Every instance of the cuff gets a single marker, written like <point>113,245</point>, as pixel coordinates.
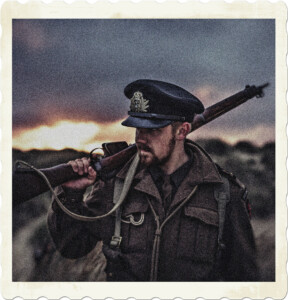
<point>73,195</point>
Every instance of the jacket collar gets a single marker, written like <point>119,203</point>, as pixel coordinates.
<point>203,170</point>
<point>143,180</point>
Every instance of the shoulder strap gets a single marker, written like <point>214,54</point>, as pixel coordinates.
<point>121,189</point>
<point>116,238</point>
<point>222,196</point>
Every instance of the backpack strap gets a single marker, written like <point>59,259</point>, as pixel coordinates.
<point>222,196</point>
<point>233,179</point>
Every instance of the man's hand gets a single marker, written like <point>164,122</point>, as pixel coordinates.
<point>81,167</point>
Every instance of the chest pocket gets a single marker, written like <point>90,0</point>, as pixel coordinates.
<point>134,227</point>
<point>198,234</point>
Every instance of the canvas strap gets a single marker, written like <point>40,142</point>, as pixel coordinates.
<point>117,238</point>
<point>126,186</point>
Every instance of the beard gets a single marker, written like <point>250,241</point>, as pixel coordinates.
<point>148,157</point>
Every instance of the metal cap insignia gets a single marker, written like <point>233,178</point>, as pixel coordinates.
<point>138,103</point>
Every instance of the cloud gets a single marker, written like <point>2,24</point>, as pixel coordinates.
<point>30,36</point>
<point>77,69</point>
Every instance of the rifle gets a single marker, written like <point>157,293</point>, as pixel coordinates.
<point>28,184</point>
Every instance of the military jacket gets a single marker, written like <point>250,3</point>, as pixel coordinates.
<point>188,248</point>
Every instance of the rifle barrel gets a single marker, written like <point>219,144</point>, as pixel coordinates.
<point>218,109</point>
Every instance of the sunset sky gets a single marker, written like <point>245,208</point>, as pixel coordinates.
<point>69,76</point>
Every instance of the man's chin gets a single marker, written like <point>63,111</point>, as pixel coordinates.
<point>146,159</point>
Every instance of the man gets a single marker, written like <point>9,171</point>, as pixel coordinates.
<point>183,218</point>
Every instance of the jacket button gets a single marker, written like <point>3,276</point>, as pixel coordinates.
<point>110,274</point>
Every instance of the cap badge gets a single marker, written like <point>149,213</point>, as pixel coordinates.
<point>138,103</point>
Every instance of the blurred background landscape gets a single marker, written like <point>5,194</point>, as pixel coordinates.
<point>68,81</point>
<point>34,255</point>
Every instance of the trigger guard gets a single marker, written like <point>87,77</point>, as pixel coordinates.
<point>95,159</point>
<point>98,156</point>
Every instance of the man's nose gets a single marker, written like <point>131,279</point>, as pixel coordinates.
<point>141,135</point>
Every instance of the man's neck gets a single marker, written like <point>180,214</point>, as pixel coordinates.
<point>178,158</point>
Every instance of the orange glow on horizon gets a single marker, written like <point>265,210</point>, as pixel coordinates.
<point>85,136</point>
<point>82,136</point>
<point>258,135</point>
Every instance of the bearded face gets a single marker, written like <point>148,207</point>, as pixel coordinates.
<point>155,146</point>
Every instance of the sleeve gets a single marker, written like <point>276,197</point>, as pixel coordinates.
<point>240,253</point>
<point>72,238</point>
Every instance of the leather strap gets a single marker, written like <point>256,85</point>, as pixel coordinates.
<point>222,196</point>
<point>156,116</point>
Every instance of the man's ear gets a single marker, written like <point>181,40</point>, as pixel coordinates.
<point>183,130</point>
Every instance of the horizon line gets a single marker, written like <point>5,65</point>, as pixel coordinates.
<point>255,145</point>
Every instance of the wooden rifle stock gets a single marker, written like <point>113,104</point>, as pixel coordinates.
<point>28,184</point>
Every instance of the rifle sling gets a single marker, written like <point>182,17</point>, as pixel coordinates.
<point>126,186</point>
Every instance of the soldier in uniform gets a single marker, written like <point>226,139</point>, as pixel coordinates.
<point>183,218</point>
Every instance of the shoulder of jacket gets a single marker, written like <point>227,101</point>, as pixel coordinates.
<point>230,176</point>
<point>238,190</point>
<point>234,181</point>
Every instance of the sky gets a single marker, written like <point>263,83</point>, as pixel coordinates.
<point>69,76</point>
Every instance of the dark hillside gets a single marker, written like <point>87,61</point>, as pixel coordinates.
<point>254,166</point>
<point>39,159</point>
<point>47,158</point>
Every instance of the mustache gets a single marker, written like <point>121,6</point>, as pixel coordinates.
<point>143,147</point>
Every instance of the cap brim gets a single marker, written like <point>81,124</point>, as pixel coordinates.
<point>145,123</point>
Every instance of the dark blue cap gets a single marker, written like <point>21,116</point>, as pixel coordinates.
<point>156,104</point>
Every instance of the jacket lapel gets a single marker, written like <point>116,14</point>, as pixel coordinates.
<point>146,184</point>
<point>144,181</point>
<point>203,170</point>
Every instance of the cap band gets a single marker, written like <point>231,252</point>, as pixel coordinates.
<point>156,116</point>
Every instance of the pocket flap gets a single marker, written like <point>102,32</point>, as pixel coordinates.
<point>134,207</point>
<point>205,215</point>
